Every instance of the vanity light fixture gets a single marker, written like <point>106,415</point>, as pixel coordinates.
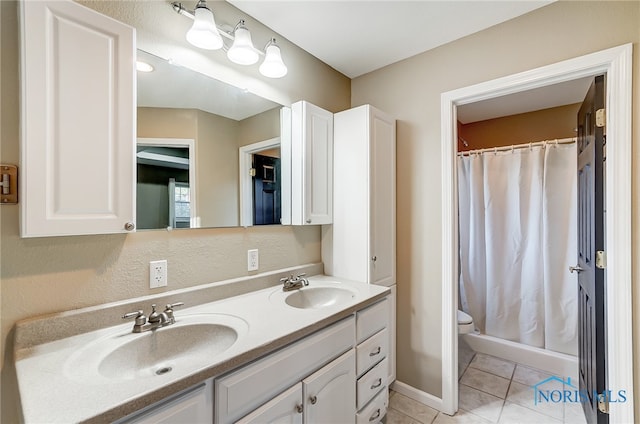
<point>273,66</point>
<point>206,34</point>
<point>242,51</point>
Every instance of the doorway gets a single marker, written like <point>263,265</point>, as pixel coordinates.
<point>616,63</point>
<point>272,190</point>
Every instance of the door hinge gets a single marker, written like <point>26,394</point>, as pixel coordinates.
<point>9,184</point>
<point>252,172</point>
<point>601,118</point>
<point>603,403</point>
<point>601,259</point>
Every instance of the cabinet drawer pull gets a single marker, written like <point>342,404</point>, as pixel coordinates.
<point>299,409</point>
<point>313,400</point>
<point>376,352</point>
<point>377,384</point>
<point>375,416</point>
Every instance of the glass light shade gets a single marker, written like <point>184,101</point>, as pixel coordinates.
<point>203,33</point>
<point>273,66</point>
<point>242,51</point>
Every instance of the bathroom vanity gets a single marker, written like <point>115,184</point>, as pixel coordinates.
<point>316,354</point>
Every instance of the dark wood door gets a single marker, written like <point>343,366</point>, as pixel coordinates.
<point>266,190</point>
<point>591,282</point>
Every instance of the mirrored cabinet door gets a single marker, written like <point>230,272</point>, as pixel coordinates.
<point>77,146</point>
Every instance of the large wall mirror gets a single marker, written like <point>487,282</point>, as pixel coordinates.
<point>194,135</point>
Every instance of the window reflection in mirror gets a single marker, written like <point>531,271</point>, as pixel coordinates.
<point>177,104</point>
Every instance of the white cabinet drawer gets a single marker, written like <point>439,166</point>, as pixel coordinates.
<point>372,382</point>
<point>371,320</point>
<point>194,405</point>
<point>242,391</point>
<point>372,351</point>
<point>375,410</point>
<point>284,408</point>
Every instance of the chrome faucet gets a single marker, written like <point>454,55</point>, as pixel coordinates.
<point>293,283</point>
<point>155,320</point>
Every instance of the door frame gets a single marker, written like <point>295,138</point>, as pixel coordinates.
<point>246,181</point>
<point>616,62</point>
<point>184,143</point>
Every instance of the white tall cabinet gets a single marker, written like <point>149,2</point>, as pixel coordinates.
<point>77,121</point>
<point>361,243</point>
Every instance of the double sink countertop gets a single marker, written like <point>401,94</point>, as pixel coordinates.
<point>71,370</point>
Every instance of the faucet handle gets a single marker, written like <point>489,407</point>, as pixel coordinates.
<point>168,310</point>
<point>300,277</point>
<point>139,315</point>
<point>173,305</point>
<point>285,279</point>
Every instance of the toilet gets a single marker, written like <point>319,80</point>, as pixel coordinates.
<point>465,323</point>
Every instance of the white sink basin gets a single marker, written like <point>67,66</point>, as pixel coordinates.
<point>315,297</point>
<point>183,347</point>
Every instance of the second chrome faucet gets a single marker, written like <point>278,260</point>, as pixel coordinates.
<point>155,320</point>
<point>293,283</point>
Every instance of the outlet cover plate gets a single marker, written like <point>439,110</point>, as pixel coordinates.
<point>157,274</point>
<point>252,260</point>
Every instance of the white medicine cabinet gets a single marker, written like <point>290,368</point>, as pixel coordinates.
<point>311,164</point>
<point>77,121</point>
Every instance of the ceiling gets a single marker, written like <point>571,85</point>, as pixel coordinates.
<point>359,36</point>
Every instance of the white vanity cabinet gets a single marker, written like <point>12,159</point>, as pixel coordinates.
<point>77,121</point>
<point>372,362</point>
<point>194,406</point>
<point>326,396</point>
<point>311,164</point>
<point>258,390</point>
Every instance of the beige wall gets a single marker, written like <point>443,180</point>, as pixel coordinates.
<point>410,90</point>
<point>545,124</point>
<point>260,127</point>
<point>45,275</point>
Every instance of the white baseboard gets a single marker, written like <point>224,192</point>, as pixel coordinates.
<point>417,395</point>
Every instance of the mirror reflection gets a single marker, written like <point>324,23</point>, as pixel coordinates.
<point>194,132</point>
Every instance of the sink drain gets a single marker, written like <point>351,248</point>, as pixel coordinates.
<point>163,370</point>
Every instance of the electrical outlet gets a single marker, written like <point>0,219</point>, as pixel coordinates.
<point>157,274</point>
<point>252,260</point>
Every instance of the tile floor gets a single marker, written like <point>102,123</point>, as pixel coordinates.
<point>492,390</point>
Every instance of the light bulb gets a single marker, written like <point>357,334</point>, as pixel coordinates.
<point>242,51</point>
<point>273,66</point>
<point>203,33</point>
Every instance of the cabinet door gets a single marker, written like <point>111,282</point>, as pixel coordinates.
<point>330,393</point>
<point>195,406</point>
<point>312,165</point>
<point>283,409</point>
<point>77,121</point>
<point>382,198</point>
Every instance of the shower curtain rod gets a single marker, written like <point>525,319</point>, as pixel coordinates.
<point>519,146</point>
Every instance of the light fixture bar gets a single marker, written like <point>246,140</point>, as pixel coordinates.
<point>206,34</point>
<point>181,10</point>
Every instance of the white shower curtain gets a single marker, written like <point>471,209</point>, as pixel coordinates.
<point>517,217</point>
